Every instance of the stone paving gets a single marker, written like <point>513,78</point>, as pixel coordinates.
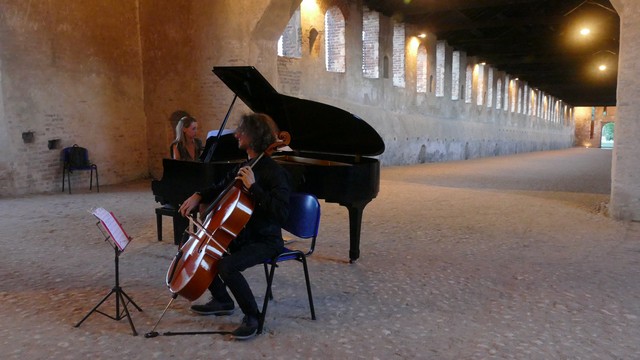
<point>499,258</point>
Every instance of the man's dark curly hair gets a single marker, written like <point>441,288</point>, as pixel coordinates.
<point>260,128</point>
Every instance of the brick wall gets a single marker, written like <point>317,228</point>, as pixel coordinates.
<point>70,74</point>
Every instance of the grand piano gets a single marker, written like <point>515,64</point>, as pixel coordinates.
<point>329,156</point>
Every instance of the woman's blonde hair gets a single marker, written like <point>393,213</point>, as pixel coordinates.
<point>184,123</point>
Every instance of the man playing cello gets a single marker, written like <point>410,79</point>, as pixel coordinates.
<point>269,186</point>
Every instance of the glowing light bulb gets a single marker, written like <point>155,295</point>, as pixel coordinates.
<point>585,31</point>
<point>602,67</point>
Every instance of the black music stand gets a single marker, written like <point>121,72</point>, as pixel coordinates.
<point>119,240</point>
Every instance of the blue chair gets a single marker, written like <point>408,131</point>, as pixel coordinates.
<point>77,158</point>
<point>303,222</point>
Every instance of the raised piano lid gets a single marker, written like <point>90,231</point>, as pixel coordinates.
<point>314,127</point>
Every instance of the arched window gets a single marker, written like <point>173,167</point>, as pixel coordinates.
<point>519,98</point>
<point>455,76</point>
<point>290,42</point>
<point>525,98</point>
<point>507,83</point>
<point>421,69</point>
<point>489,87</point>
<point>440,67</point>
<point>398,55</point>
<point>532,102</point>
<point>513,94</point>
<point>334,26</point>
<point>607,135</point>
<point>499,94</point>
<point>370,43</point>
<point>479,80</point>
<point>468,84</point>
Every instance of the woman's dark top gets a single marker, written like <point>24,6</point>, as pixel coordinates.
<point>184,154</point>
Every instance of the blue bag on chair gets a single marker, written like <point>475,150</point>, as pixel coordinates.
<point>78,157</point>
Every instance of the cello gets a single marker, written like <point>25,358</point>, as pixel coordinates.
<point>195,265</point>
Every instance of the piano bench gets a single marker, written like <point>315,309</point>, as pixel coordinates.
<point>178,222</point>
<point>166,210</point>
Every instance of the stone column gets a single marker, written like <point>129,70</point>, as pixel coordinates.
<point>625,174</point>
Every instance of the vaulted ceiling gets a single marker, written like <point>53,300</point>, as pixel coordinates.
<point>537,41</point>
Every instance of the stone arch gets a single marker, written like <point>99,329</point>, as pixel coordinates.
<point>607,134</point>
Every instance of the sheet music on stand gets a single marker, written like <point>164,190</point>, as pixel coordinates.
<point>115,230</point>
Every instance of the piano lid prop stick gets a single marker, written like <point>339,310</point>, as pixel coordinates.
<point>224,123</point>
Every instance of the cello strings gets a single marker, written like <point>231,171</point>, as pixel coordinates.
<point>221,249</point>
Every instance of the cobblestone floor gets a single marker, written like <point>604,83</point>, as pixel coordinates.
<point>500,258</point>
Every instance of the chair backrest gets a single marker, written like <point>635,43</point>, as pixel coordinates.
<point>304,217</point>
<point>75,156</point>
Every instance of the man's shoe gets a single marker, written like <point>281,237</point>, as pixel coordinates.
<point>213,307</point>
<point>248,328</point>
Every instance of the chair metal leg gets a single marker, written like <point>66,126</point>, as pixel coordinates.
<point>97,181</point>
<point>303,259</point>
<point>266,276</point>
<point>263,313</point>
<point>66,173</point>
<point>269,295</point>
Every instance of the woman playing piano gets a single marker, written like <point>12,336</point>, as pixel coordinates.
<point>186,146</point>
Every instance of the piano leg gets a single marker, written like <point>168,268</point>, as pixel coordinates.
<point>355,224</point>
